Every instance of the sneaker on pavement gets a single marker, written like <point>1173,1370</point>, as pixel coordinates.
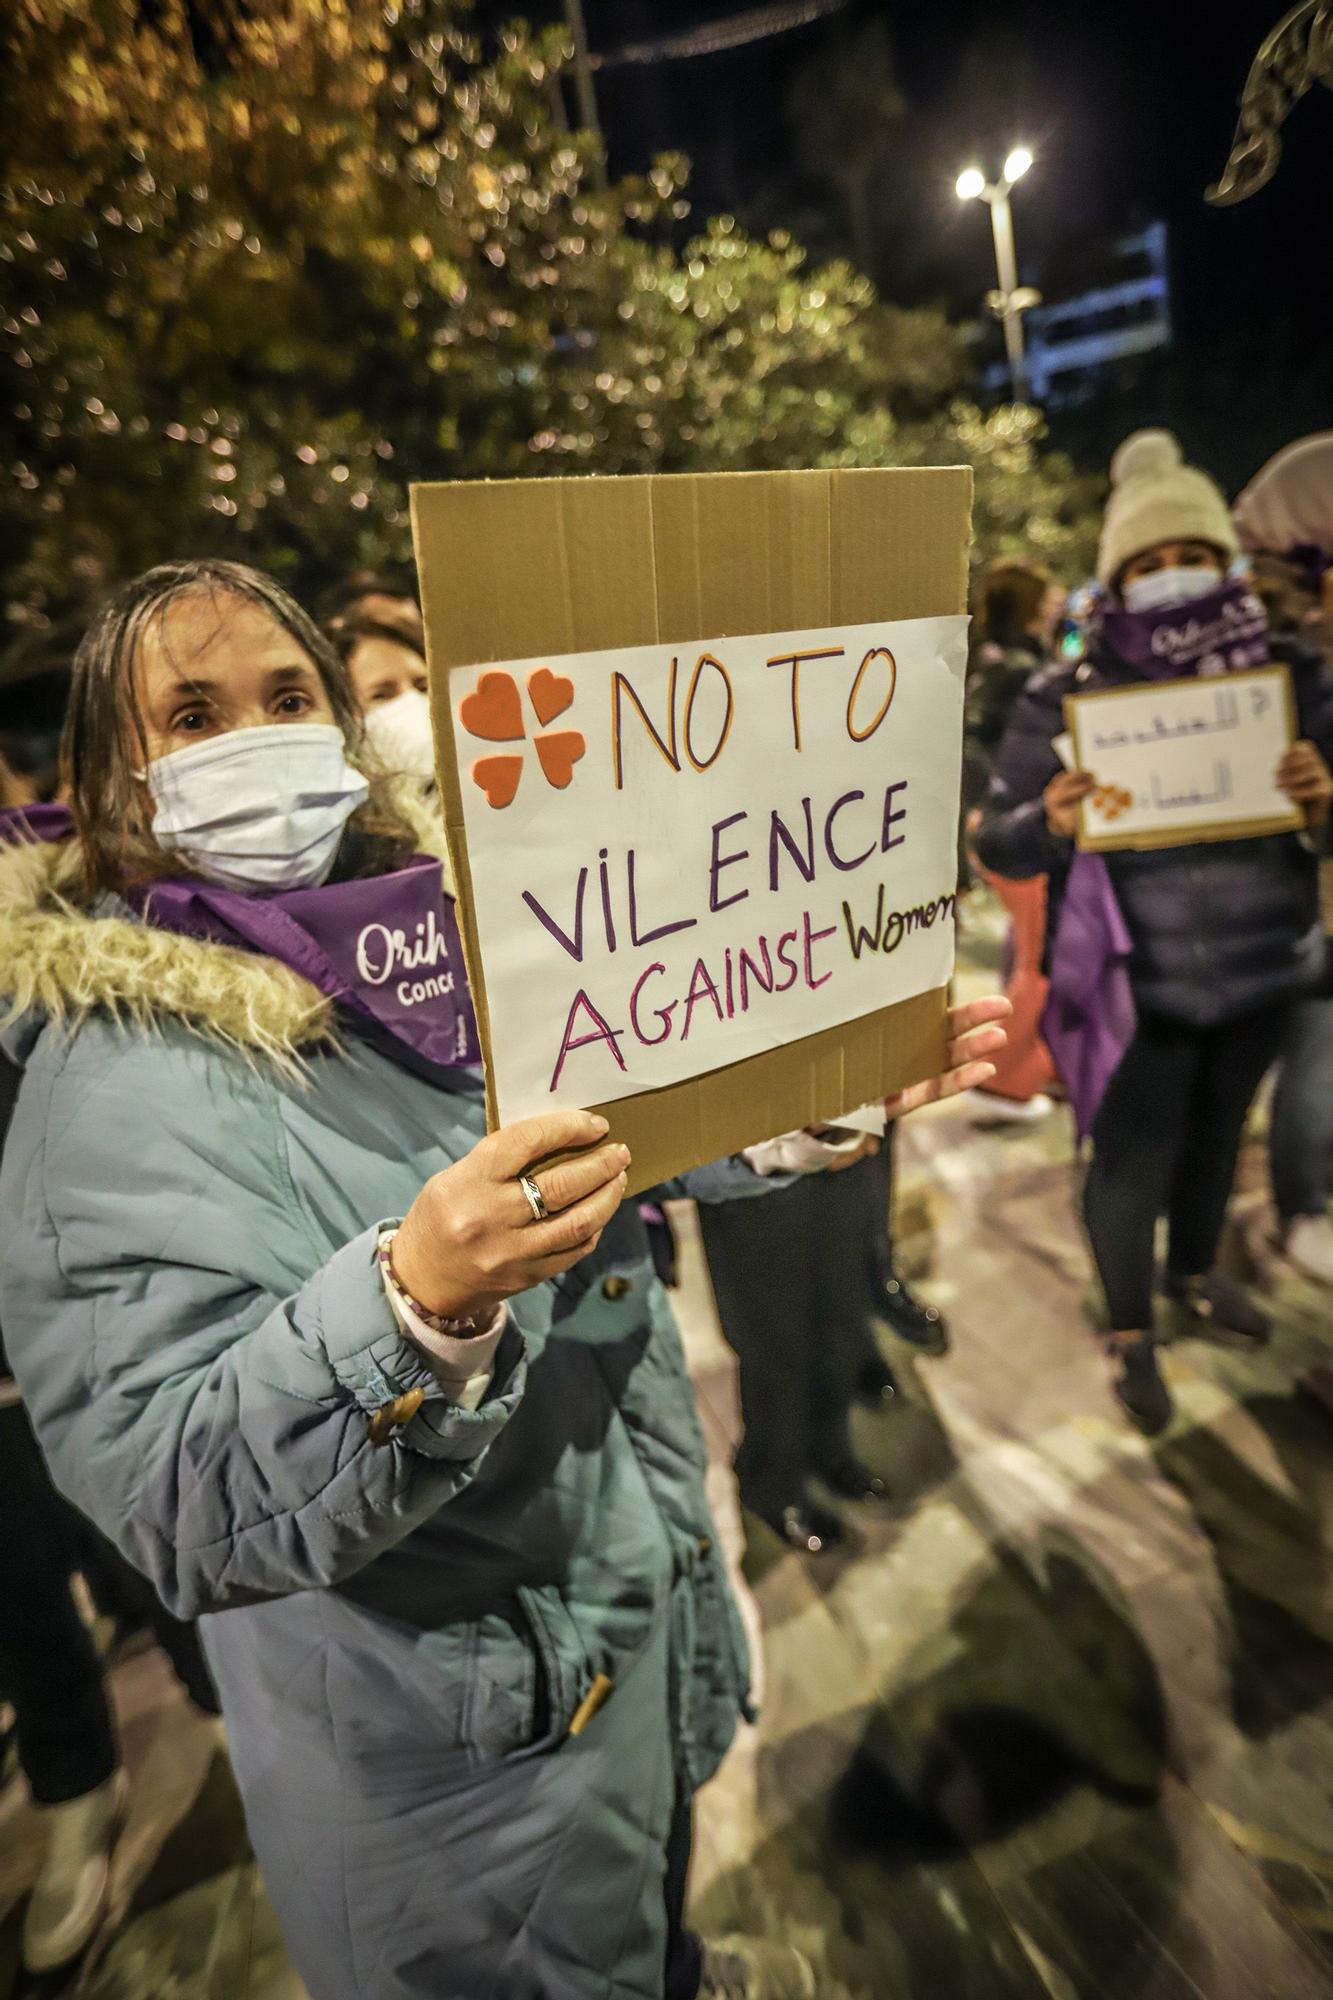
<point>1217,1303</point>
<point>1138,1385</point>
<point>69,1897</point>
<point>745,1968</point>
<point>1309,1246</point>
<point>987,1107</point>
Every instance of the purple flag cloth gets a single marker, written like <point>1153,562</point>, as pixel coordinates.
<point>53,822</point>
<point>1221,633</point>
<point>386,949</point>
<point>1090,1017</point>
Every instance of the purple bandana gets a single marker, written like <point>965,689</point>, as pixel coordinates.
<point>386,949</point>
<point>1216,634</point>
<point>51,822</point>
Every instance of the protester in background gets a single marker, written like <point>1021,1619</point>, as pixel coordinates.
<point>387,669</point>
<point>1017,613</point>
<point>914,1320</point>
<point>34,688</point>
<point>51,1673</point>
<point>399,1407</point>
<point>51,1676</point>
<point>1018,608</point>
<point>1223,939</point>
<point>15,788</point>
<point>790,1280</point>
<point>384,597</point>
<point>1285,521</point>
<point>801,1282</point>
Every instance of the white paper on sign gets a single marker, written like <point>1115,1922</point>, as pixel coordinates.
<point>684,855</point>
<point>1178,758</point>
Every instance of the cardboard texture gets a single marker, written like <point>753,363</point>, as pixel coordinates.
<point>553,566</point>
<point>1077,709</point>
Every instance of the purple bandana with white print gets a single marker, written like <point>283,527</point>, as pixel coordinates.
<point>1221,633</point>
<point>386,949</point>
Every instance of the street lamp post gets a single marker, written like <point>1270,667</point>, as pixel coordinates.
<point>587,96</point>
<point>1011,300</point>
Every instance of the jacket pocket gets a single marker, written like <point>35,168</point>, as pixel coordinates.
<point>503,1687</point>
<point>562,1660</point>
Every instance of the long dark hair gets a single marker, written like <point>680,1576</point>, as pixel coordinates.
<point>105,740</point>
<point>1012,594</point>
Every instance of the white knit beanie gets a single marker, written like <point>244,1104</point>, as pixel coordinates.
<point>1156,497</point>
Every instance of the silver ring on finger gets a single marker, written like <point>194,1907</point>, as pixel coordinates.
<point>540,1212</point>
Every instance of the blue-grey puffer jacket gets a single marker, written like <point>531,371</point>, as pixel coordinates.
<point>1220,929</point>
<point>402,1636</point>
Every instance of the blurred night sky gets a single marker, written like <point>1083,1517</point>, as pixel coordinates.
<point>1129,106</point>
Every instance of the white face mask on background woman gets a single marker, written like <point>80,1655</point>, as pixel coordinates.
<point>261,808</point>
<point>399,732</point>
<point>1161,588</point>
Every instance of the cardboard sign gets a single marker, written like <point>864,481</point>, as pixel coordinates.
<point>1184,761</point>
<point>724,707</point>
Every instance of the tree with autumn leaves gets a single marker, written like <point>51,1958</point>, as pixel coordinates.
<point>260,267</point>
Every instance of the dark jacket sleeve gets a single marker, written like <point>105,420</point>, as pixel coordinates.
<point>1312,681</point>
<point>1312,685</point>
<point>1013,837</point>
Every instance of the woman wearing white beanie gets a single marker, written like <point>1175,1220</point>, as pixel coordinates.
<point>1224,937</point>
<point>1160,508</point>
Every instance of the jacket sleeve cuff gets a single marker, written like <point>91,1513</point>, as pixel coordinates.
<point>372,1361</point>
<point>1020,843</point>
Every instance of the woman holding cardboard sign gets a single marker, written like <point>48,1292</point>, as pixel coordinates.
<point>396,1408</point>
<point>1174,969</point>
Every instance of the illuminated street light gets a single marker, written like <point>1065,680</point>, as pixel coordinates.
<point>1010,300</point>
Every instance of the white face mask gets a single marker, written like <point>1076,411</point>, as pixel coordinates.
<point>258,808</point>
<point>1163,587</point>
<point>400,734</point>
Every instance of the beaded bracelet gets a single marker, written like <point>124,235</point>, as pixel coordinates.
<point>456,1329</point>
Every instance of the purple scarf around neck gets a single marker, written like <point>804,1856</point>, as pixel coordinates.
<point>1218,634</point>
<point>386,949</point>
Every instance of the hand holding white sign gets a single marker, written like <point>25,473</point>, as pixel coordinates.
<point>1062,799</point>
<point>1177,762</point>
<point>1307,781</point>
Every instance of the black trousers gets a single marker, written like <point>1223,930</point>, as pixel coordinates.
<point>791,1274</point>
<point>1165,1143</point>
<point>124,1593</point>
<point>49,1670</point>
<point>684,1962</point>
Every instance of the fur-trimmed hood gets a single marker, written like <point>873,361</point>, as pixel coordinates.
<point>59,961</point>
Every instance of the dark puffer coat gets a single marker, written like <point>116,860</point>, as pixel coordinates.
<point>1220,929</point>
